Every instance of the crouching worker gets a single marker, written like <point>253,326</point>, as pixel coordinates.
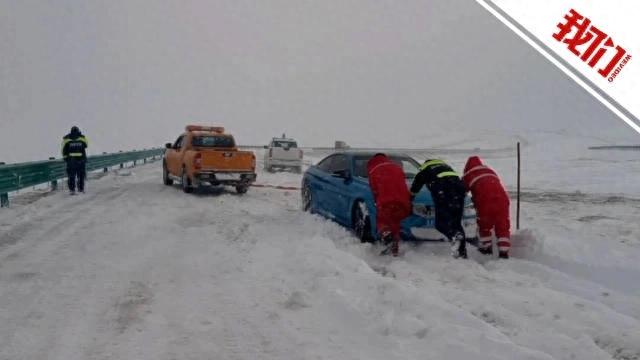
<point>447,192</point>
<point>74,152</point>
<point>392,198</point>
<point>492,206</point>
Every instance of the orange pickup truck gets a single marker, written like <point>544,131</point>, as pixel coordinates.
<point>206,155</point>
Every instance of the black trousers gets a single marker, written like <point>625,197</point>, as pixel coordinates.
<point>448,196</point>
<point>76,170</point>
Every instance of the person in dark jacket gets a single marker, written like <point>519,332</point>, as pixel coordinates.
<point>447,192</point>
<point>391,195</point>
<point>74,153</point>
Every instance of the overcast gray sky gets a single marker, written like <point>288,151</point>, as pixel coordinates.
<point>132,73</point>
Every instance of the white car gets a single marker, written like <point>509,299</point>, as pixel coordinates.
<point>283,153</point>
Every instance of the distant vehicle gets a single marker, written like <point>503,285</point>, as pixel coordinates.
<point>283,153</point>
<point>337,188</point>
<point>206,155</point>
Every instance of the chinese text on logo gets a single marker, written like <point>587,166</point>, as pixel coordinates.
<point>592,45</point>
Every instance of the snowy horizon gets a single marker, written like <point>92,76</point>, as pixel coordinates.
<point>132,75</point>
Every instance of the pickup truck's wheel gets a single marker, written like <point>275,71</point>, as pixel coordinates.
<point>242,189</point>
<point>186,183</point>
<point>362,222</point>
<point>165,175</point>
<point>307,198</point>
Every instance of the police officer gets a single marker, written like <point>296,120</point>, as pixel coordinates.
<point>447,192</point>
<point>74,152</point>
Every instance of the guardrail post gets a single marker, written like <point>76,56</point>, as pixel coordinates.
<point>105,169</point>
<point>4,198</point>
<point>54,182</point>
<point>518,194</point>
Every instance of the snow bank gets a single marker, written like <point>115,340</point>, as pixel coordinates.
<point>135,269</point>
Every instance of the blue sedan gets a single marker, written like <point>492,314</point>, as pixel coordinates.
<point>337,188</point>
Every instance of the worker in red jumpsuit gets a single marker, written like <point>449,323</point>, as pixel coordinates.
<point>390,192</point>
<point>492,206</point>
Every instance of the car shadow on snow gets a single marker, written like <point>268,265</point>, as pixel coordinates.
<point>212,191</point>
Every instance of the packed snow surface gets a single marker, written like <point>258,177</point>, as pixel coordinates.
<point>138,270</point>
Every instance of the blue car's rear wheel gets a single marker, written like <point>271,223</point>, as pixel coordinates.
<point>362,222</point>
<point>306,198</point>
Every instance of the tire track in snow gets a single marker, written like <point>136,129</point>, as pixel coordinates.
<point>51,242</point>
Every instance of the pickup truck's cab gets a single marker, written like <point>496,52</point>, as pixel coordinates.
<point>206,155</point>
<point>283,153</point>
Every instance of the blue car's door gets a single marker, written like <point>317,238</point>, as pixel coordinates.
<point>321,185</point>
<point>337,191</point>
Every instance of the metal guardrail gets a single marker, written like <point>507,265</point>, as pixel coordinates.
<point>14,177</point>
<point>397,150</point>
<point>615,147</point>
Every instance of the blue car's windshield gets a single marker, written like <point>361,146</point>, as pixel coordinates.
<point>410,166</point>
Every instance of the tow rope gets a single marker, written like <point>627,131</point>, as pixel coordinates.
<point>279,187</point>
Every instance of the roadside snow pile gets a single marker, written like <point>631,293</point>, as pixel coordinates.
<point>526,244</point>
<point>339,307</point>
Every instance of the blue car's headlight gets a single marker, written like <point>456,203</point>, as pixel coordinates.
<point>469,210</point>
<point>423,210</point>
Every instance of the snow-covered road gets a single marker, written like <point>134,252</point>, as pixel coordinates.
<point>137,270</point>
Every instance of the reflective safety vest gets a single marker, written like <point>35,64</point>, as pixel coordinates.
<point>447,171</point>
<point>74,148</point>
<point>430,172</point>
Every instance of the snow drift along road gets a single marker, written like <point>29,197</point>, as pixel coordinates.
<point>137,270</point>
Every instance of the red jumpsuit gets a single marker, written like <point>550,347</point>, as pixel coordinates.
<point>491,202</point>
<point>391,194</point>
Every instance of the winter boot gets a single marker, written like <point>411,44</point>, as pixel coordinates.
<point>387,241</point>
<point>387,238</point>
<point>395,247</point>
<point>485,251</point>
<point>485,246</point>
<point>462,252</point>
<point>504,244</point>
<point>459,246</point>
